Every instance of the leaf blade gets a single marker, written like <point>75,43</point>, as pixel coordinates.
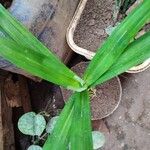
<point>59,138</point>
<point>81,137</point>
<point>31,124</point>
<point>135,53</point>
<point>117,42</point>
<point>39,65</point>
<point>18,35</point>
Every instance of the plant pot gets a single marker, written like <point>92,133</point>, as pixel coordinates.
<point>87,30</point>
<point>105,98</point>
<point>48,21</point>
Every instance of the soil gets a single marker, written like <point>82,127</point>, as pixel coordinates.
<point>96,17</point>
<point>104,99</point>
<point>129,125</point>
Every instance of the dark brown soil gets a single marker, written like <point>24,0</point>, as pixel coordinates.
<point>96,17</point>
<point>104,99</point>
<point>129,125</point>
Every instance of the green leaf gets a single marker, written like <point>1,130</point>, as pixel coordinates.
<point>19,33</point>
<point>98,139</point>
<point>34,147</point>
<point>114,46</point>
<point>81,137</point>
<point>39,65</point>
<point>59,138</point>
<point>134,54</point>
<point>51,124</point>
<point>28,53</point>
<point>2,34</point>
<point>32,124</point>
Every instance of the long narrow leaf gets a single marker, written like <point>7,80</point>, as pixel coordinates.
<point>81,137</point>
<point>19,33</point>
<point>59,139</point>
<point>21,36</point>
<point>76,128</point>
<point>135,53</point>
<point>39,65</point>
<point>86,121</point>
<point>2,33</point>
<point>117,42</point>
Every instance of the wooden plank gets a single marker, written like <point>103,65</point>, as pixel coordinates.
<point>24,94</point>
<point>16,92</point>
<point>6,126</point>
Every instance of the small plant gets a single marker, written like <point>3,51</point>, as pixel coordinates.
<point>118,54</point>
<point>34,125</point>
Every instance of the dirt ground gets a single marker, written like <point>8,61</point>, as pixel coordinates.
<point>129,126</point>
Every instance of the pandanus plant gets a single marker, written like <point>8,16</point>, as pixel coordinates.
<point>117,54</point>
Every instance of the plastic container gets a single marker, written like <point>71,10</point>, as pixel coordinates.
<point>105,98</point>
<point>90,6</point>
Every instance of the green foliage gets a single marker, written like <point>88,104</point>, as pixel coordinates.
<point>38,64</point>
<point>32,124</point>
<point>35,147</point>
<point>98,139</point>
<point>73,128</point>
<point>60,135</point>
<point>51,124</point>
<point>135,53</point>
<point>25,51</point>
<point>81,137</point>
<point>115,45</point>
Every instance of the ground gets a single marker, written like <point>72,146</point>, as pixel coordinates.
<point>129,125</point>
